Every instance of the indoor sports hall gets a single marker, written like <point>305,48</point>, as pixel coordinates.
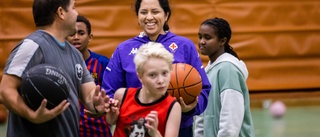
<point>277,39</point>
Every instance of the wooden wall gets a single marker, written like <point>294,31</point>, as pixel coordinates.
<point>278,39</point>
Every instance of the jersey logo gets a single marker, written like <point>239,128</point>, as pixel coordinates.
<point>173,47</point>
<point>79,71</point>
<point>136,128</point>
<point>94,75</point>
<point>107,68</point>
<point>133,51</point>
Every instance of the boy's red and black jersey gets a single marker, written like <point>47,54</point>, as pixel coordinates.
<point>132,111</point>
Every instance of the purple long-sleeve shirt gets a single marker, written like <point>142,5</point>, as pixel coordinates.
<point>121,71</point>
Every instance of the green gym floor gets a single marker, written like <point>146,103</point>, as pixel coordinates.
<point>298,122</point>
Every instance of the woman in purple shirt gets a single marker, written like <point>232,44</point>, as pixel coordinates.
<point>153,16</point>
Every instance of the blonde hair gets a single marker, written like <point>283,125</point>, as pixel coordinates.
<point>151,50</point>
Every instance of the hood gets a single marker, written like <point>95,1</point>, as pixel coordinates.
<point>230,58</point>
<point>142,37</point>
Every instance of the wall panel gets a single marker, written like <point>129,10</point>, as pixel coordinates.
<point>278,39</point>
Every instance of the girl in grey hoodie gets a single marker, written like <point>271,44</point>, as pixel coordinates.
<point>228,111</point>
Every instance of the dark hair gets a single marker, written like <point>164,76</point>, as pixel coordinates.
<point>44,11</point>
<point>164,5</point>
<point>222,29</point>
<point>85,21</point>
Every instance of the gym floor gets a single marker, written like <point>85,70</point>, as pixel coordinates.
<point>300,121</point>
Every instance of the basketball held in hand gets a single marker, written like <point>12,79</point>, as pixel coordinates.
<point>185,82</point>
<point>44,81</point>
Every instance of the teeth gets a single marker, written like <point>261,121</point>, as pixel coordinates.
<point>150,23</point>
<point>76,45</point>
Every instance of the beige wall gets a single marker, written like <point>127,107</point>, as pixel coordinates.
<point>279,40</point>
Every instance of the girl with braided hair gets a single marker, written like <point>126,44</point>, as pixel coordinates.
<point>228,111</point>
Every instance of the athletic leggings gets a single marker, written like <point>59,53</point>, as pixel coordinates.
<point>186,132</point>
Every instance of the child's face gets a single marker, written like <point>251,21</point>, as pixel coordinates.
<point>81,39</point>
<point>208,42</point>
<point>156,76</point>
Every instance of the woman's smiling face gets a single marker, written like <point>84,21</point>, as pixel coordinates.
<point>151,18</point>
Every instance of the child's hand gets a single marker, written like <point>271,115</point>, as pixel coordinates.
<point>112,109</point>
<point>152,123</point>
<point>112,105</point>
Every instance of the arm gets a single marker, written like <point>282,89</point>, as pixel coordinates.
<point>113,76</point>
<point>11,98</point>
<point>173,122</point>
<point>198,129</point>
<point>232,113</point>
<point>232,100</point>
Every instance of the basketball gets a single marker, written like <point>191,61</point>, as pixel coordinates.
<point>185,82</point>
<point>44,81</point>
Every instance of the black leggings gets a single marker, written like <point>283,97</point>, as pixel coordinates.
<point>186,132</point>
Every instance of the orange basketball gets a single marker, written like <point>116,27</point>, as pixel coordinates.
<point>185,82</point>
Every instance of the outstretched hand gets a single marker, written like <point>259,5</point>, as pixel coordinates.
<point>111,108</point>
<point>189,107</point>
<point>42,114</point>
<point>100,101</point>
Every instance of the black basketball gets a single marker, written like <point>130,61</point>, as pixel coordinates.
<point>44,81</point>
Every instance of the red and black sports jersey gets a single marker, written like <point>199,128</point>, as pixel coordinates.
<point>131,121</point>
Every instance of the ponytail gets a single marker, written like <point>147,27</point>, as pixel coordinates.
<point>229,49</point>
